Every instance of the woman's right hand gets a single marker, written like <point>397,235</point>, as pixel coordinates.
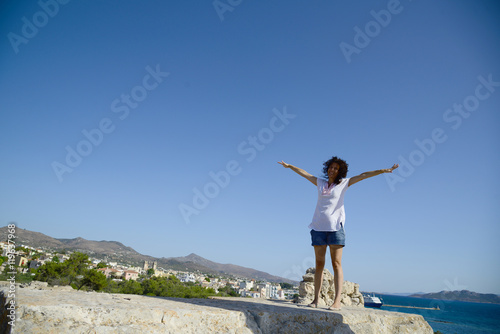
<point>284,164</point>
<point>301,172</point>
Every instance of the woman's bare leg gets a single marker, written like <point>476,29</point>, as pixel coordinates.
<point>319,252</point>
<point>338,279</point>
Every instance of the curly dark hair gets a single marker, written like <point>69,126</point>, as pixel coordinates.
<point>343,168</point>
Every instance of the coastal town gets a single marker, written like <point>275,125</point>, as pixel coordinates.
<point>27,259</point>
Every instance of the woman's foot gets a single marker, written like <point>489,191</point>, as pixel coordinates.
<point>314,304</point>
<point>335,307</point>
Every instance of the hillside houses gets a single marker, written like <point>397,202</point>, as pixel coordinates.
<point>119,273</point>
<point>31,258</point>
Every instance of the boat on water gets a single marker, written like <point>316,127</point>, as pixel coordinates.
<point>373,301</point>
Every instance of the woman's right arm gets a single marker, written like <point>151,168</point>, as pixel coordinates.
<point>301,172</point>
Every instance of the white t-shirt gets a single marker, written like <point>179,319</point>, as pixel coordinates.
<point>329,213</point>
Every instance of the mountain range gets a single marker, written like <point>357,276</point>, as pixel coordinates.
<point>117,252</point>
<point>463,295</point>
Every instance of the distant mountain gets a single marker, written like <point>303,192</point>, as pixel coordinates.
<point>402,294</point>
<point>28,237</point>
<point>116,251</point>
<point>386,293</point>
<point>111,250</point>
<point>464,295</point>
<point>229,268</point>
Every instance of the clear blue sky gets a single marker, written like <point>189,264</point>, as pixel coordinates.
<point>155,97</point>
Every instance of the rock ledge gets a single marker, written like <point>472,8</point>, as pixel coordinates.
<point>53,310</point>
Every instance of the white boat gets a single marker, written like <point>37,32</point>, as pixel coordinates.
<point>372,301</point>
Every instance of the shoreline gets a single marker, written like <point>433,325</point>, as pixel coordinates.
<point>422,308</point>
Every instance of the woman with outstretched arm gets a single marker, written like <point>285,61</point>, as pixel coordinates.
<point>327,225</point>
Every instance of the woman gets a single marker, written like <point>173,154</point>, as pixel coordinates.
<point>327,226</point>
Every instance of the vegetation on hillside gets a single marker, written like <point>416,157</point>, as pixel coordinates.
<point>77,273</point>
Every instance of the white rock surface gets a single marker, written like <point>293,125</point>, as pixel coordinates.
<point>54,310</point>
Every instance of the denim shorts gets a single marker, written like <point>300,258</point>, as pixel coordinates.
<point>320,238</point>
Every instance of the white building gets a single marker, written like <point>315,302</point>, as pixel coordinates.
<point>265,290</point>
<point>247,285</point>
<point>186,277</point>
<point>276,292</point>
<point>246,293</point>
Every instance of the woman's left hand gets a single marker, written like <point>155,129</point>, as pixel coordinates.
<point>389,170</point>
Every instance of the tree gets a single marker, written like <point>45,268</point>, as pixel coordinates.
<point>65,273</point>
<point>286,285</point>
<point>94,280</point>
<point>19,278</point>
<point>172,287</point>
<point>101,265</point>
<point>76,265</point>
<point>151,286</point>
<point>22,249</point>
<point>113,287</point>
<point>49,271</point>
<point>228,291</point>
<point>132,287</point>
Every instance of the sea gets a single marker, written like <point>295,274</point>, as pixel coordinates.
<point>453,317</point>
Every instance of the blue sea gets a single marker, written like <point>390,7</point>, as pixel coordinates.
<point>452,317</point>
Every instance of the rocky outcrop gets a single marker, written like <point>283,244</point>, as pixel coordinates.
<point>41,309</point>
<point>350,291</point>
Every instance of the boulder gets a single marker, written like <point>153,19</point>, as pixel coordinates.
<point>351,296</point>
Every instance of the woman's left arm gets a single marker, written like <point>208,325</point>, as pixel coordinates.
<point>367,175</point>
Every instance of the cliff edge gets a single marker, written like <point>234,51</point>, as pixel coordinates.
<point>43,309</point>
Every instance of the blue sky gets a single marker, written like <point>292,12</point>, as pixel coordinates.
<point>117,115</point>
